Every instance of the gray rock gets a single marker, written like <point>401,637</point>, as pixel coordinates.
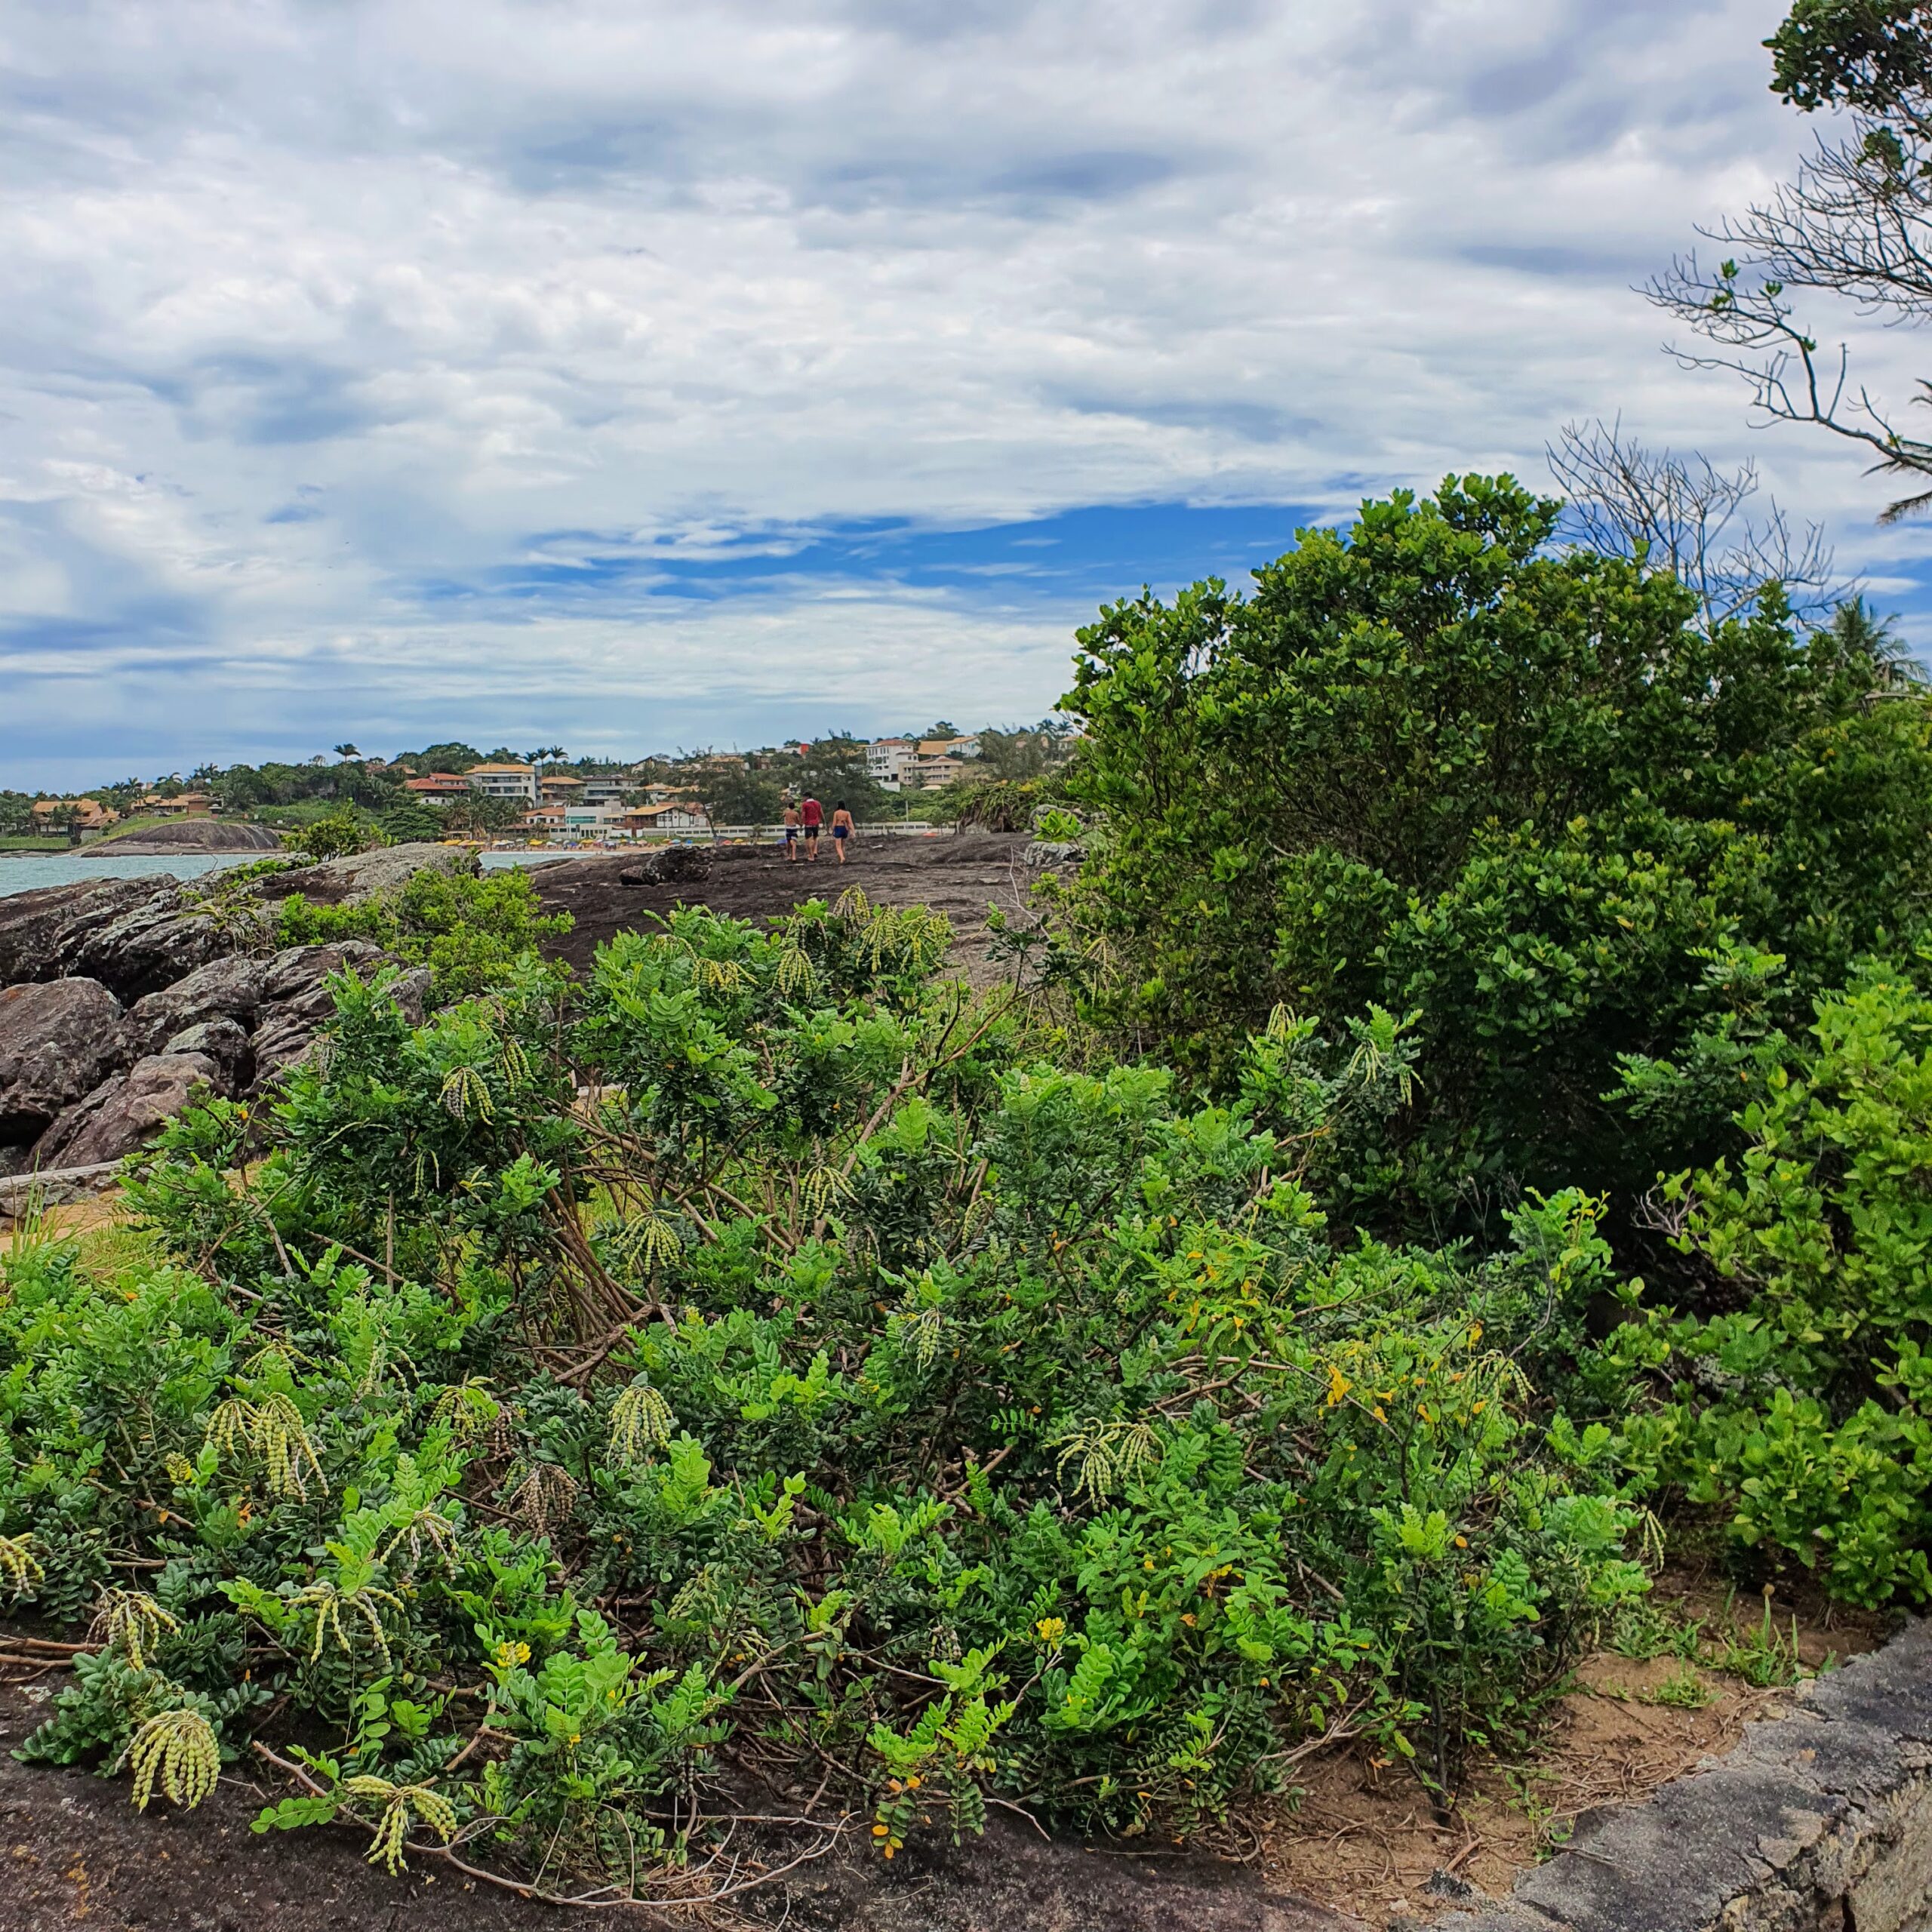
<point>222,1041</point>
<point>297,972</point>
<point>58,1038</point>
<point>1046,852</point>
<point>684,865</point>
<point>410,992</point>
<point>230,988</point>
<point>122,1114</point>
<point>200,835</point>
<point>24,1195</point>
<point>356,875</point>
<point>41,931</point>
<point>148,945</point>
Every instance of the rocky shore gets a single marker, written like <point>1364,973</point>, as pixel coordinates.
<point>121,998</point>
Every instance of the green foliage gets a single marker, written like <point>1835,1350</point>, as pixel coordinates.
<point>468,927</point>
<point>1000,805</point>
<point>1874,56</point>
<point>1432,763</point>
<point>410,820</point>
<point>776,1362</point>
<point>336,835</point>
<point>736,795</point>
<point>1800,1409</point>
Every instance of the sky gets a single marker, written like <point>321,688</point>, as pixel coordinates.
<point>630,377</point>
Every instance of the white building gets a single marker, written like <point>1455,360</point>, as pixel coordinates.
<point>504,781</point>
<point>890,761</point>
<point>592,818</point>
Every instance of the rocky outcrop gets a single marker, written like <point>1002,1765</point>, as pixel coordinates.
<point>676,865</point>
<point>356,875</point>
<point>122,1114</point>
<point>140,936</point>
<point>41,932</point>
<point>84,1081</point>
<point>196,834</point>
<point>57,1040</point>
<point>230,988</point>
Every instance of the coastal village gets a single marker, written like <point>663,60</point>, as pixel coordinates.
<point>543,797</point>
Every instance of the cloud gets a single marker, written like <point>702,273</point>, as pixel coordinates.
<point>427,367</point>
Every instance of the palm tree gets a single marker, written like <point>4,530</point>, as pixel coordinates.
<point>347,751</point>
<point>1862,635</point>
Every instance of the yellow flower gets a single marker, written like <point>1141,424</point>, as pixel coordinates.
<point>1339,1385</point>
<point>1051,1629</point>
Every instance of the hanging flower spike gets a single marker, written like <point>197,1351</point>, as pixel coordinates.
<point>18,1564</point>
<point>131,1621</point>
<point>179,1749</point>
<point>794,972</point>
<point>640,1420</point>
<point>398,1801</point>
<point>465,1093</point>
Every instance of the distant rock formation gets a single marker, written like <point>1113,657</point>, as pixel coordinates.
<point>198,835</point>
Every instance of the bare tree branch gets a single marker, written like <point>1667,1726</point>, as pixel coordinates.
<point>1684,516</point>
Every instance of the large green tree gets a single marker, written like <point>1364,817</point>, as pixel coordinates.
<point>1514,790</point>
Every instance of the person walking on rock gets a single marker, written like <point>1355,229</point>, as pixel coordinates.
<point>811,816</point>
<point>842,828</point>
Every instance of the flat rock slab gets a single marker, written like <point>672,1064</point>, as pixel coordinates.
<point>73,1854</point>
<point>959,875</point>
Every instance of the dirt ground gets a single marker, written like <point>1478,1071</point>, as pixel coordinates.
<point>1361,1838</point>
<point>73,1854</point>
<point>957,874</point>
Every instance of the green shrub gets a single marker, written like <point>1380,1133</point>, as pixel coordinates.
<point>336,835</point>
<point>1434,764</point>
<point>468,927</point>
<point>840,1392</point>
<point>1802,1408</point>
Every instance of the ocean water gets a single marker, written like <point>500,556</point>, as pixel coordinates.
<point>28,871</point>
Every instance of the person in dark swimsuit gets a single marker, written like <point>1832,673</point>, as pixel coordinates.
<point>842,829</point>
<point>811,817</point>
<point>791,832</point>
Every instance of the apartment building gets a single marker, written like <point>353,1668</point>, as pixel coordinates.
<point>504,781</point>
<point>891,762</point>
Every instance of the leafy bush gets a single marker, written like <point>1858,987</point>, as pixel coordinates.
<point>770,1363</point>
<point>468,927</point>
<point>1432,763</point>
<point>1802,1405</point>
<point>336,834</point>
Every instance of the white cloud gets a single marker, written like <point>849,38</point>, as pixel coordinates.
<point>323,321</point>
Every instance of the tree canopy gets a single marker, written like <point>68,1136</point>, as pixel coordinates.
<point>1516,796</point>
